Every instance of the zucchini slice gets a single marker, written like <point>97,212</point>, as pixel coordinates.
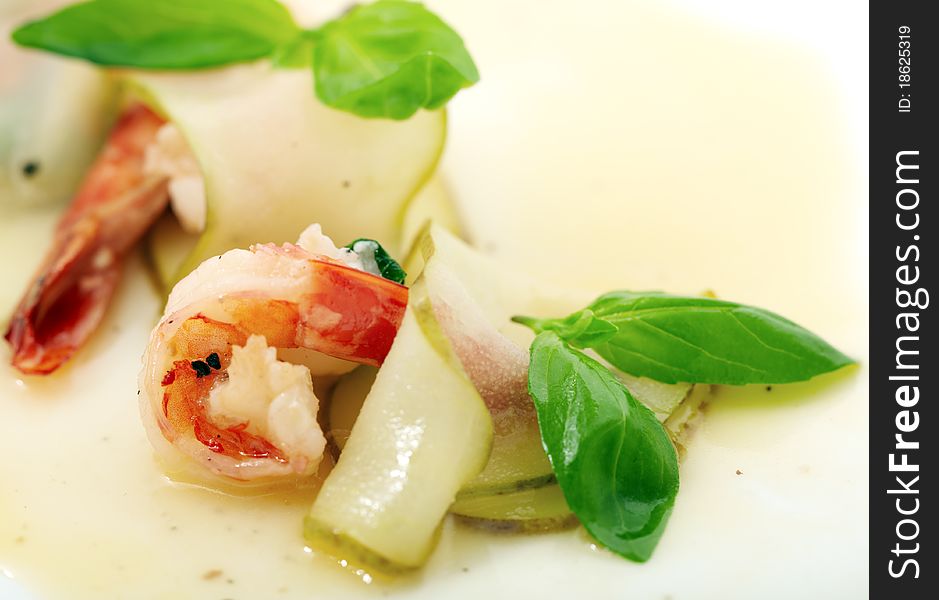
<point>274,159</point>
<point>528,511</point>
<point>54,115</point>
<point>473,298</point>
<point>422,433</point>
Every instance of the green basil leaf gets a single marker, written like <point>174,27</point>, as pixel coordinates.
<point>297,53</point>
<point>613,460</point>
<point>389,59</point>
<point>582,328</point>
<point>695,340</point>
<point>371,251</point>
<point>163,34</point>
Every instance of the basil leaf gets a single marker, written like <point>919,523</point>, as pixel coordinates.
<point>297,53</point>
<point>582,328</point>
<point>371,251</point>
<point>389,59</point>
<point>613,460</point>
<point>163,34</point>
<point>695,340</point>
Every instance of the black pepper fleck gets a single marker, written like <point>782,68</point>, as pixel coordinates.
<point>30,168</point>
<point>214,361</point>
<point>200,368</point>
<point>769,388</point>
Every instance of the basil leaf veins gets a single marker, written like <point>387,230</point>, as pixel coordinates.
<point>389,59</point>
<point>695,340</point>
<point>163,34</point>
<point>371,252</point>
<point>614,461</point>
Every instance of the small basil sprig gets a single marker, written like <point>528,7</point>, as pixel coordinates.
<point>614,461</point>
<point>371,251</point>
<point>387,59</point>
<point>695,340</point>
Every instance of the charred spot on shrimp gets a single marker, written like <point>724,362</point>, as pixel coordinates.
<point>201,368</point>
<point>204,367</point>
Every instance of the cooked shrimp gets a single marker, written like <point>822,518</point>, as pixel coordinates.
<point>115,205</point>
<point>212,386</point>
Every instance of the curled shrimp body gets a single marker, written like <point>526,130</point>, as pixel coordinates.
<point>213,387</point>
<point>115,205</point>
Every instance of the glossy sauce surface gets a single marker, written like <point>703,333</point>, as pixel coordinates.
<point>582,156</point>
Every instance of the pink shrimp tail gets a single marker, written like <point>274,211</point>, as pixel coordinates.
<point>115,206</point>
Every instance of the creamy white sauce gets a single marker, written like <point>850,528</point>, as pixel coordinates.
<point>639,149</point>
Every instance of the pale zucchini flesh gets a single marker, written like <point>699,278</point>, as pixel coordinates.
<point>484,295</point>
<point>168,246</point>
<point>345,403</point>
<point>527,511</point>
<point>54,116</point>
<point>682,420</point>
<point>422,433</point>
<point>662,398</point>
<point>275,160</point>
